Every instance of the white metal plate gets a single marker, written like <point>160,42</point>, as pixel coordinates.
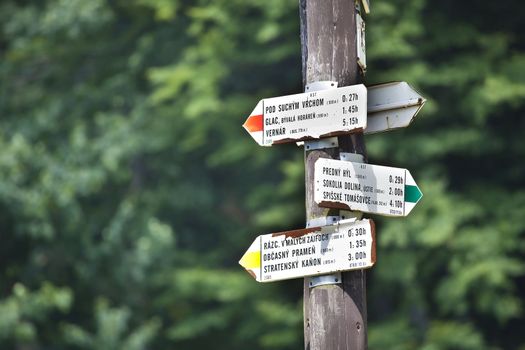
<point>364,187</point>
<point>308,115</point>
<point>391,106</point>
<point>347,245</point>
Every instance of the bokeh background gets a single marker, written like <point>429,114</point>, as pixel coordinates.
<point>129,190</point>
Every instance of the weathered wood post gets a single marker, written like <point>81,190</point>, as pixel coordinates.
<point>334,314</point>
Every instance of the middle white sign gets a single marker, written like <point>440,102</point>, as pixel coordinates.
<point>309,115</point>
<point>364,187</point>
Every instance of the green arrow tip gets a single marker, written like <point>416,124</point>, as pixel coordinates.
<point>412,194</point>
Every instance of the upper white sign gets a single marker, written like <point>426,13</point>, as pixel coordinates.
<point>309,115</point>
<point>347,245</point>
<point>364,187</point>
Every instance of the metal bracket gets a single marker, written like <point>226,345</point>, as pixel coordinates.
<point>330,142</point>
<point>320,85</point>
<point>352,157</point>
<point>322,221</point>
<point>324,280</point>
<point>350,215</point>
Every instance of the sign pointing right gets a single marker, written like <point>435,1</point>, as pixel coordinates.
<point>392,106</point>
<point>365,187</point>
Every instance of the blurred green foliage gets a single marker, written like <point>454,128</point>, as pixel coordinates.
<point>128,189</point>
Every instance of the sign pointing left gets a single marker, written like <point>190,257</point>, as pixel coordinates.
<point>309,115</point>
<point>347,245</point>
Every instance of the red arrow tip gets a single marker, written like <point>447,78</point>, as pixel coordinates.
<point>254,123</point>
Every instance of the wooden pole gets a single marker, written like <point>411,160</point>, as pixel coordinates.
<point>334,314</point>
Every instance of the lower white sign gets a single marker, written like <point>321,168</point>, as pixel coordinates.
<point>347,245</point>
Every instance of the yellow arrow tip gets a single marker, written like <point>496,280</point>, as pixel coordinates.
<point>251,260</point>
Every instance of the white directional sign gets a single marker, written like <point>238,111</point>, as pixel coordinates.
<point>347,245</point>
<point>309,115</point>
<point>392,106</point>
<point>364,187</point>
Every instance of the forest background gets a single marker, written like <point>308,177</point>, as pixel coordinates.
<point>129,190</point>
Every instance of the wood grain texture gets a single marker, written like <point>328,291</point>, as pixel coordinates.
<point>334,315</point>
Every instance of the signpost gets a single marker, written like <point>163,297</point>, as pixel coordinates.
<point>365,187</point>
<point>309,115</point>
<point>334,53</point>
<point>347,245</point>
<point>392,106</point>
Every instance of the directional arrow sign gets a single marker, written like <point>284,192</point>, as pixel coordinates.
<point>364,187</point>
<point>309,115</point>
<point>347,245</point>
<point>392,106</point>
